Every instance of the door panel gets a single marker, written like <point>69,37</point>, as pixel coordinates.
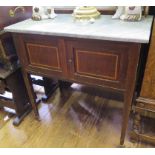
<point>46,55</point>
<point>95,64</point>
<point>98,62</point>
<point>43,56</point>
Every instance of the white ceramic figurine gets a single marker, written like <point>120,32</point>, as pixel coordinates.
<point>128,13</point>
<point>43,12</point>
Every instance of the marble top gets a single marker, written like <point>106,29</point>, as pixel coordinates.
<point>104,28</point>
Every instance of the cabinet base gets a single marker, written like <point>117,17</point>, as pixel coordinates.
<point>47,96</point>
<point>137,137</point>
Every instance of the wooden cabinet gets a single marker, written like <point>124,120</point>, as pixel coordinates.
<point>145,102</point>
<point>94,62</point>
<point>88,61</point>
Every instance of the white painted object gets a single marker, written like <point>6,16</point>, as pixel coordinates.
<point>119,12</point>
<point>128,13</point>
<point>43,12</point>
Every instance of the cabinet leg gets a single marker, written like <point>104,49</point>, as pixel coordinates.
<point>130,88</point>
<point>63,85</point>
<point>126,112</point>
<point>136,128</point>
<point>31,93</point>
<point>19,119</point>
<point>136,123</point>
<point>50,85</point>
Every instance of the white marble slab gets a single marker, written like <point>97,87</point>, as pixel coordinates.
<point>104,28</point>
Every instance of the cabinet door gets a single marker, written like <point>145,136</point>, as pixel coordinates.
<point>42,54</point>
<point>98,62</point>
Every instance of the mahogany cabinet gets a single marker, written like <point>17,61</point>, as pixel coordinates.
<point>100,63</point>
<point>89,61</point>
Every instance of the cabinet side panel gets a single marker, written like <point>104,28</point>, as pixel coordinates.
<point>148,85</point>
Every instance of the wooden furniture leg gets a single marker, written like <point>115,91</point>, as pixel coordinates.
<point>136,122</point>
<point>136,128</point>
<point>126,113</point>
<point>16,85</point>
<point>63,85</point>
<point>31,93</point>
<point>50,86</point>
<point>129,93</point>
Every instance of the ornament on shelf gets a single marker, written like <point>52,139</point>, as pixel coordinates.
<point>86,13</point>
<point>128,13</point>
<point>43,12</point>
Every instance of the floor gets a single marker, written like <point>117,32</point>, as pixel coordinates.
<point>81,118</point>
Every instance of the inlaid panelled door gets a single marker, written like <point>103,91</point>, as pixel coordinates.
<point>98,62</point>
<point>45,54</point>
